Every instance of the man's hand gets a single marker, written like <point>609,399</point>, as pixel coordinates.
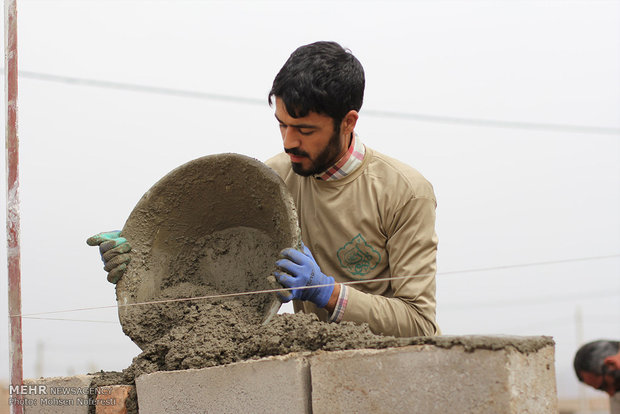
<point>114,251</point>
<point>300,269</point>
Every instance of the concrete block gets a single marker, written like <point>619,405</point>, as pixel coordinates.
<point>531,381</point>
<point>58,395</point>
<point>432,379</point>
<point>269,385</point>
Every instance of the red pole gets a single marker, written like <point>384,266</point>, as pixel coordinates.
<point>12,200</point>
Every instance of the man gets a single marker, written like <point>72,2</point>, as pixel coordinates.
<point>598,365</point>
<point>364,216</point>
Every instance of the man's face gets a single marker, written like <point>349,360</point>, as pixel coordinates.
<point>312,142</point>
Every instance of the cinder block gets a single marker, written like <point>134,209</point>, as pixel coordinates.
<point>531,381</point>
<point>58,395</point>
<point>270,385</point>
<point>113,399</point>
<point>430,379</point>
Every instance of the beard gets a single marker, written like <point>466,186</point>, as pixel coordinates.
<point>323,161</point>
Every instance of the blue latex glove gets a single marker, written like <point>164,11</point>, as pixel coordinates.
<point>114,251</point>
<point>300,269</point>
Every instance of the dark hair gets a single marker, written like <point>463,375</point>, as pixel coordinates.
<point>321,77</point>
<point>590,357</point>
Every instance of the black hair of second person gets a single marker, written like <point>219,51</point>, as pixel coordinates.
<point>321,77</point>
<point>590,357</point>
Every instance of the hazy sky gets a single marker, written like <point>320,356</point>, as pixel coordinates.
<point>506,195</point>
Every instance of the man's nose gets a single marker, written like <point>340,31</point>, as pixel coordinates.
<point>290,138</point>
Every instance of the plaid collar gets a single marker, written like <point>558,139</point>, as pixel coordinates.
<point>347,164</point>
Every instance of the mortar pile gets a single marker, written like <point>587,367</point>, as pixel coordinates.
<point>222,332</point>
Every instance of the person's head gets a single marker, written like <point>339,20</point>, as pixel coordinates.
<point>318,94</point>
<point>598,365</point>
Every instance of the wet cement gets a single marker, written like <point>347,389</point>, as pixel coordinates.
<point>217,332</point>
<point>220,263</point>
<point>523,344</point>
<point>214,225</point>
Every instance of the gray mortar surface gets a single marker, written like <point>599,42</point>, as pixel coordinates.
<point>215,224</point>
<point>218,333</point>
<point>523,344</point>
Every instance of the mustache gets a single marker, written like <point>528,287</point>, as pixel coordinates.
<point>296,151</point>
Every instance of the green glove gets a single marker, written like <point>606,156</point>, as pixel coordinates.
<point>114,251</point>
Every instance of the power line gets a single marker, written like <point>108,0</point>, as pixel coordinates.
<point>140,88</point>
<point>184,93</point>
<point>495,123</point>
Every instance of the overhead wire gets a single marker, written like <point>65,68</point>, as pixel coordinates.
<point>369,112</point>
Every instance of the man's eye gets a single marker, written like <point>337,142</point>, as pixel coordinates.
<point>306,131</point>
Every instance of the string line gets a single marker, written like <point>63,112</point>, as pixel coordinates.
<point>72,320</point>
<point>218,296</point>
<point>353,282</point>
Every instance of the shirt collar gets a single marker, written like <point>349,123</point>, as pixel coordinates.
<point>347,164</point>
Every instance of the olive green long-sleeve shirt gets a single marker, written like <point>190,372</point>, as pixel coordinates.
<point>377,222</point>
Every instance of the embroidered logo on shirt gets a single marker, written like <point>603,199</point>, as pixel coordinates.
<point>358,257</point>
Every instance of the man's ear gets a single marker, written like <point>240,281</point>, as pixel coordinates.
<point>348,122</point>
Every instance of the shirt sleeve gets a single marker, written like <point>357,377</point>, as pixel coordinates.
<point>412,251</point>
